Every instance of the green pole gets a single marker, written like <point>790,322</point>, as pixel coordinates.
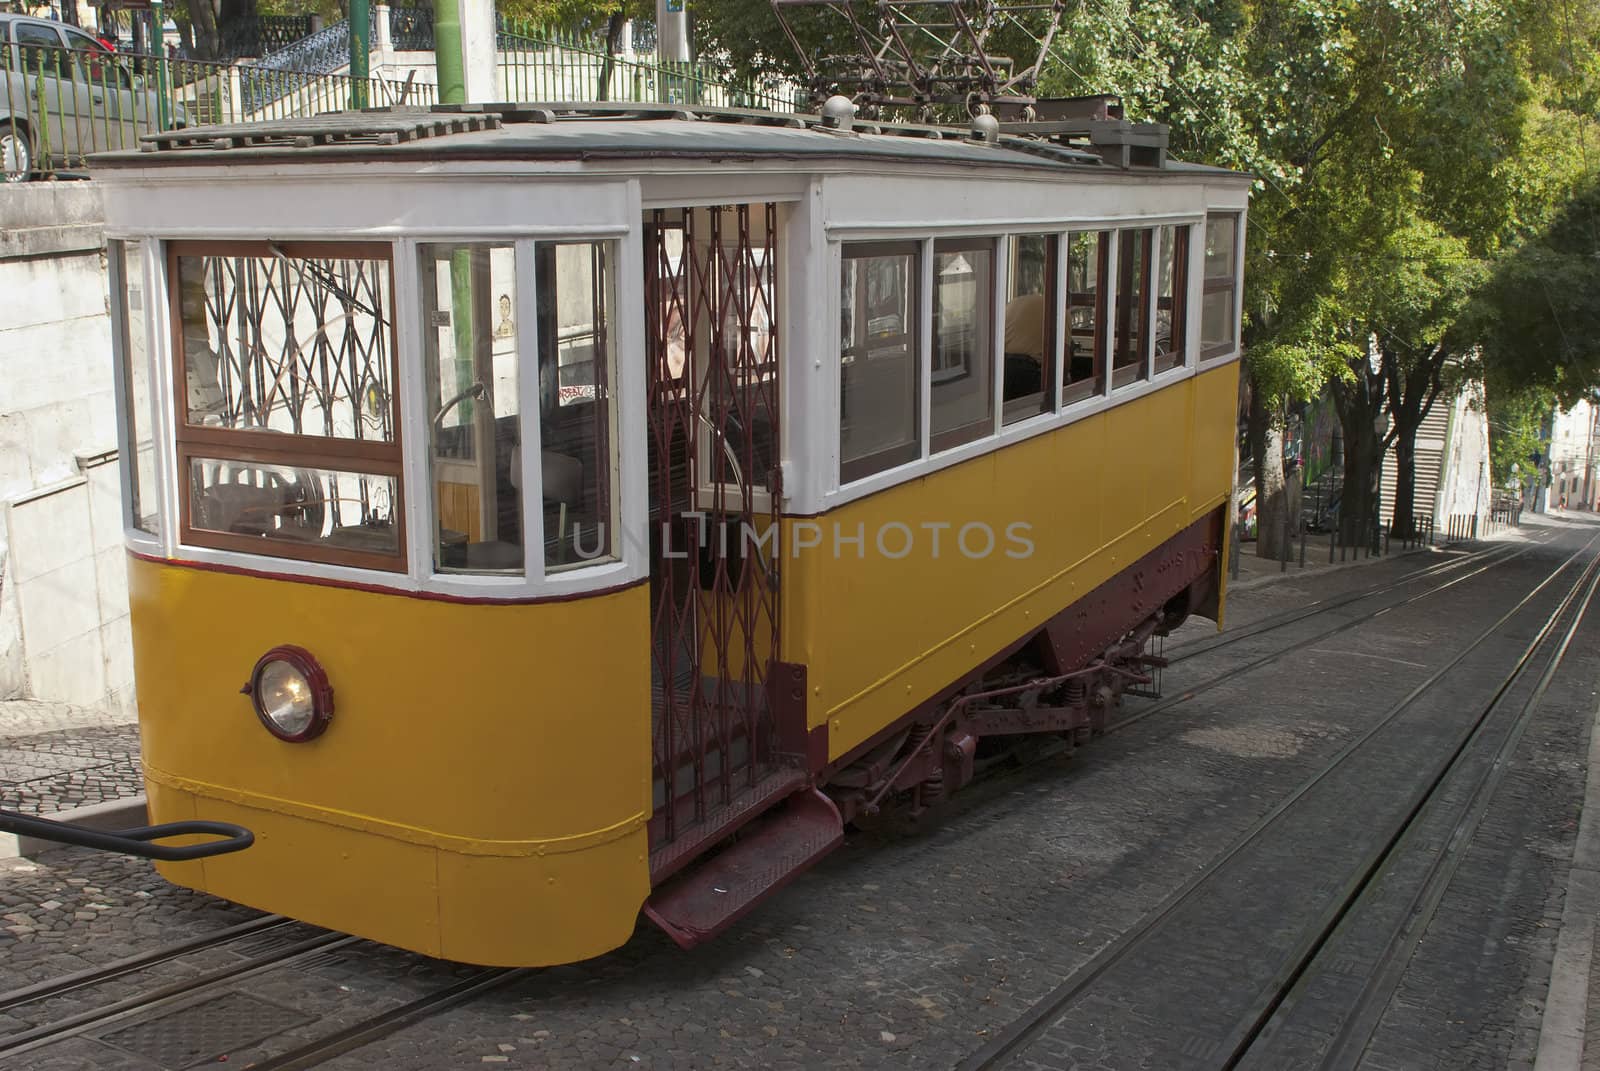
<point>447,52</point>
<point>158,19</point>
<point>360,51</point>
<point>452,76</point>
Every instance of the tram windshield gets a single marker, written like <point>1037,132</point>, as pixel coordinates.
<point>288,435</point>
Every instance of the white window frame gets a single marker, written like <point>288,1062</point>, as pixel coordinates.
<point>627,431</point>
<point>137,539</point>
<point>1239,230</point>
<point>834,492</point>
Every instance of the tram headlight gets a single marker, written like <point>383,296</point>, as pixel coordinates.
<point>291,694</point>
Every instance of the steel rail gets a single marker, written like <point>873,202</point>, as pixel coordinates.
<point>1025,1028</point>
<point>1358,1027</point>
<point>392,1021</point>
<point>1195,648</point>
<point>92,975</point>
<point>1273,656</point>
<point>44,1034</point>
<point>1366,874</point>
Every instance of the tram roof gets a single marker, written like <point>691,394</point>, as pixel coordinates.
<point>584,132</point>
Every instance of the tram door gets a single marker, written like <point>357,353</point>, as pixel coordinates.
<point>711,317</point>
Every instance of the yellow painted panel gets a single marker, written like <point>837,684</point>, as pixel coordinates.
<point>1211,463</point>
<point>1068,510</point>
<point>541,910</point>
<point>382,889</point>
<point>479,721</point>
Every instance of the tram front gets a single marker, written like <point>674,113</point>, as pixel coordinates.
<point>386,611</point>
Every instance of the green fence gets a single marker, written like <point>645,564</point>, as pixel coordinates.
<point>538,63</point>
<point>59,106</point>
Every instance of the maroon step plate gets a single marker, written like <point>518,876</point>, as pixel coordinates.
<point>714,893</point>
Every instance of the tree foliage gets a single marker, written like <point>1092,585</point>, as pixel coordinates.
<point>1425,206</point>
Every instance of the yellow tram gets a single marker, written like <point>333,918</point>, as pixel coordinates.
<point>540,515</point>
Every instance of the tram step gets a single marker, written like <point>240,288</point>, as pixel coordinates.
<point>717,891</point>
<point>722,822</point>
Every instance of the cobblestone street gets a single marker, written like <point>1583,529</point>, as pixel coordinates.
<point>924,945</point>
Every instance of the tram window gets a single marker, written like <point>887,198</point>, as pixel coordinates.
<point>1030,329</point>
<point>1218,323</point>
<point>1171,290</point>
<point>577,410</point>
<point>879,382</point>
<point>962,376</point>
<point>352,511</point>
<point>1133,307</point>
<point>285,373</point>
<point>471,369</point>
<point>1087,254</point>
<point>276,341</point>
<point>127,266</point>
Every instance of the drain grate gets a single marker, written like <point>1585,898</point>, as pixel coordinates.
<point>202,1032</point>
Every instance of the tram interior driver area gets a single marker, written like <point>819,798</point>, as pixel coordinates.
<point>291,438</point>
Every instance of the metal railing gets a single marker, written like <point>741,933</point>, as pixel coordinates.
<point>261,35</point>
<point>540,63</point>
<point>60,106</point>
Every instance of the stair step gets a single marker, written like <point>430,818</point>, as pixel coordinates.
<point>722,822</point>
<point>717,891</point>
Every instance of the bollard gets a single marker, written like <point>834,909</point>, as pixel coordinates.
<point>1333,537</point>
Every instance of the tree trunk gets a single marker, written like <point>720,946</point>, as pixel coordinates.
<point>1359,405</point>
<point>1404,523</point>
<point>1411,398</point>
<point>203,17</point>
<point>1271,497</point>
<point>613,43</point>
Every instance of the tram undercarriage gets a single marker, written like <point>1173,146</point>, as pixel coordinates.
<point>1056,684</point>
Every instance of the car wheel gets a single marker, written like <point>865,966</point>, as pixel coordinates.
<point>16,153</point>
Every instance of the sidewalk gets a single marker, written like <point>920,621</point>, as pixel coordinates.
<point>1256,572</point>
<point>55,757</point>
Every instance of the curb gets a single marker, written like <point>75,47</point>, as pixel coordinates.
<point>1322,568</point>
<point>1564,1024</point>
<point>107,816</point>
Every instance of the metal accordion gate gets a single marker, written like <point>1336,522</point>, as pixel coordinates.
<point>711,320</point>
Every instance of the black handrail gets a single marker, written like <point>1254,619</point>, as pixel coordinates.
<point>134,841</point>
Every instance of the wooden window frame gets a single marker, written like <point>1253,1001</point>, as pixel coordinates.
<point>1093,387</point>
<point>1124,310</point>
<point>356,456</point>
<point>1221,284</point>
<point>859,468</point>
<point>1178,355</point>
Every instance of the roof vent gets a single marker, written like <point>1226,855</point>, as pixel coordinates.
<point>985,130</point>
<point>838,114</point>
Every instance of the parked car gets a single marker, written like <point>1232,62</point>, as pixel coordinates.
<point>66,95</point>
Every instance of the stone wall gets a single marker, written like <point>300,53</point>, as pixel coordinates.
<point>63,588</point>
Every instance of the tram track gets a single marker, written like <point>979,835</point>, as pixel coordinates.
<point>56,987</point>
<point>1192,691</point>
<point>1318,607</point>
<point>1230,869</point>
<point>1357,1027</point>
<point>158,998</point>
<point>30,1043</point>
